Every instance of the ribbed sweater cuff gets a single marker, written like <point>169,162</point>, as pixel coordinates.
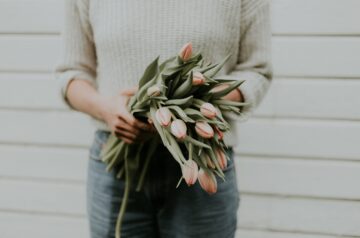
<point>64,80</point>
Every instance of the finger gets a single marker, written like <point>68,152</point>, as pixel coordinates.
<point>124,138</point>
<point>126,134</point>
<point>123,125</point>
<point>132,121</point>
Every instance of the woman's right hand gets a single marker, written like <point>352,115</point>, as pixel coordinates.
<point>122,123</point>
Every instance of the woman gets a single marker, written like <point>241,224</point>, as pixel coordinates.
<point>107,45</point>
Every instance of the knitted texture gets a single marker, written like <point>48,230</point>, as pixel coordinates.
<point>109,43</point>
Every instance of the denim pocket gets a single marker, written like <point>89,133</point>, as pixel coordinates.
<point>100,138</point>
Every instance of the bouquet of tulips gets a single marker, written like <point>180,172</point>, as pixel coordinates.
<point>182,98</point>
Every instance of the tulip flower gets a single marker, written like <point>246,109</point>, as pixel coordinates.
<point>204,130</point>
<point>190,172</point>
<point>198,79</point>
<point>219,133</point>
<point>221,157</point>
<point>153,91</point>
<point>208,110</point>
<point>178,129</point>
<point>163,116</point>
<point>186,52</point>
<point>207,181</point>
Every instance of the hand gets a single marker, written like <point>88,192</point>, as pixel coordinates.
<point>234,95</point>
<point>121,122</point>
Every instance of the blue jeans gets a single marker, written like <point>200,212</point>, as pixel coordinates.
<point>160,209</point>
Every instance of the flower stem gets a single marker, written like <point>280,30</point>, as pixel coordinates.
<point>124,200</point>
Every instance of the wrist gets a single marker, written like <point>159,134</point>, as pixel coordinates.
<point>240,95</point>
<point>99,104</point>
<point>235,95</point>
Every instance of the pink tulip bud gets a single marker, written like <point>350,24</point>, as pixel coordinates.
<point>221,157</point>
<point>163,116</point>
<point>190,172</point>
<point>186,52</point>
<point>219,133</point>
<point>198,79</point>
<point>207,181</point>
<point>204,130</point>
<point>178,129</point>
<point>208,110</point>
<point>153,91</point>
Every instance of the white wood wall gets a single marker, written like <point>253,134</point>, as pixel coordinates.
<point>298,158</point>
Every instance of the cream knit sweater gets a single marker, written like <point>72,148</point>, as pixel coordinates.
<point>110,42</point>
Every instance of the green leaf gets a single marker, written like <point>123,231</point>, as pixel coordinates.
<point>174,147</point>
<point>111,142</point>
<point>196,142</point>
<point>222,124</point>
<point>212,72</point>
<point>167,62</point>
<point>173,84</point>
<point>161,98</point>
<point>210,80</point>
<point>149,72</point>
<point>181,113</point>
<point>194,114</point>
<point>220,80</point>
<point>229,108</point>
<point>183,102</point>
<point>184,88</point>
<point>207,68</point>
<point>143,90</point>
<point>117,158</point>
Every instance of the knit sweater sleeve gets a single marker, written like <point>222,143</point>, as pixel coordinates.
<point>78,58</point>
<point>254,59</point>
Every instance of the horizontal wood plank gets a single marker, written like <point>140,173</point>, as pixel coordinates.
<point>14,225</point>
<point>243,233</point>
<point>312,98</point>
<point>298,177</point>
<point>299,138</point>
<point>30,91</point>
<point>32,196</point>
<point>293,56</point>
<point>31,16</point>
<point>47,163</point>
<point>46,127</point>
<point>316,56</point>
<point>300,215</point>
<point>29,53</point>
<point>315,17</point>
